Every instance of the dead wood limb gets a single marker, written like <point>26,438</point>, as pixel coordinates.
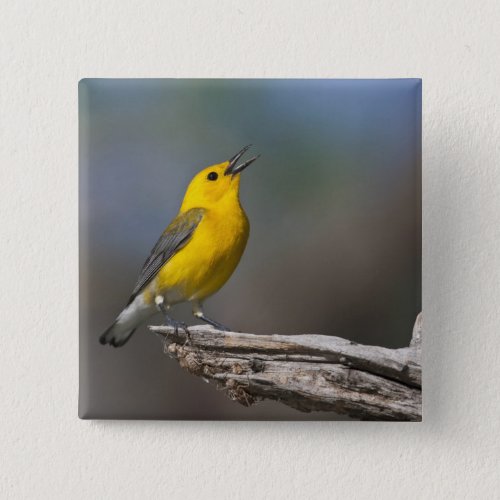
<point>306,372</point>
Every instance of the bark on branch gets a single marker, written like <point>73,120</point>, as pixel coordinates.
<point>306,372</point>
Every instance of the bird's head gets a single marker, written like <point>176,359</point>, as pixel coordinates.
<point>217,183</point>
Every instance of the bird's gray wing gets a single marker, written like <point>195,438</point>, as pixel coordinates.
<point>175,237</point>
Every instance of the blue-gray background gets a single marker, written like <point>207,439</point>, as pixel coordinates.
<point>333,203</point>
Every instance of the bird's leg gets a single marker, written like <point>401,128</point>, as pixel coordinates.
<point>169,321</point>
<point>198,313</point>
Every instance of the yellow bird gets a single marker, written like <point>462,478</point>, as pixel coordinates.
<point>195,255</point>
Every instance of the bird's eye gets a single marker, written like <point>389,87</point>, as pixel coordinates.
<point>212,176</point>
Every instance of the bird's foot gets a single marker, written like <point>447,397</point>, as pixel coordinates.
<point>173,323</point>
<point>176,325</point>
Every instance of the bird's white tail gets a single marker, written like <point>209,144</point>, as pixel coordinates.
<point>127,322</point>
<point>116,336</point>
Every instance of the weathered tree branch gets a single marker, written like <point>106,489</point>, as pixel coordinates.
<point>306,372</point>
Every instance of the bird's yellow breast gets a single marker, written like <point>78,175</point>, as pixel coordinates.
<point>202,267</point>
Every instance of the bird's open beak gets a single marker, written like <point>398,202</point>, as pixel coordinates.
<point>233,168</point>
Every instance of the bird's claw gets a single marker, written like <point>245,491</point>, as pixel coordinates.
<point>177,326</point>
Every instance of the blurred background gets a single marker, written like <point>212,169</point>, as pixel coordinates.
<point>334,210</point>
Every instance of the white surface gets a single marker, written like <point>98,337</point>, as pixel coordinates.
<point>46,452</point>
